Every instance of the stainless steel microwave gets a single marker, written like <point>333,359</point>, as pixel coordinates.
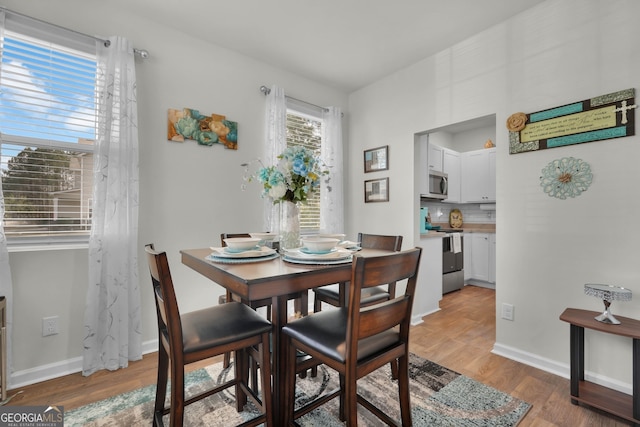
<point>438,185</point>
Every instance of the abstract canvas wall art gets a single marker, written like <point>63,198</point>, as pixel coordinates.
<point>189,124</point>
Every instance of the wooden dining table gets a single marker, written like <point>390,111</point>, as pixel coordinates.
<point>275,279</point>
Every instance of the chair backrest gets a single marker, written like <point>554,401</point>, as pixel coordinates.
<point>377,241</point>
<point>382,242</point>
<point>367,272</point>
<point>169,323</point>
<point>231,236</point>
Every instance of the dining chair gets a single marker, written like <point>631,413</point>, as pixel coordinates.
<point>356,340</point>
<point>335,294</point>
<point>301,304</point>
<point>202,334</point>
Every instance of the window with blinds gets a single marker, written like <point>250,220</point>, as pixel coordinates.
<point>306,131</point>
<point>47,129</point>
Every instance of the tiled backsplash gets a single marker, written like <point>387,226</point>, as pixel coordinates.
<point>471,213</point>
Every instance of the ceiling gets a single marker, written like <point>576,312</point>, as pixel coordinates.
<point>346,44</point>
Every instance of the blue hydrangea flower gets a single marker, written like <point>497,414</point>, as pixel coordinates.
<point>295,178</point>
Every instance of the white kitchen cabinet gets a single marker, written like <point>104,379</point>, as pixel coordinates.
<point>479,257</point>
<point>435,158</point>
<point>445,160</point>
<point>452,167</point>
<point>478,170</point>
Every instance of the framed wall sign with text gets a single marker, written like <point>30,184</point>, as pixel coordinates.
<point>596,119</point>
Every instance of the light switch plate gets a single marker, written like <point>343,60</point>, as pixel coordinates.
<point>507,311</point>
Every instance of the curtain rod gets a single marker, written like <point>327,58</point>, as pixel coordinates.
<point>266,91</point>
<point>142,53</point>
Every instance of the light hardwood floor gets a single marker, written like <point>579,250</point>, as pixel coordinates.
<point>460,336</point>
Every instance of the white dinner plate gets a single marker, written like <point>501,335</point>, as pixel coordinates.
<point>258,252</point>
<point>298,254</point>
<point>225,260</point>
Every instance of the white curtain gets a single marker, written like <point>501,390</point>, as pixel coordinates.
<point>331,195</point>
<point>274,144</point>
<point>6,285</point>
<point>112,313</point>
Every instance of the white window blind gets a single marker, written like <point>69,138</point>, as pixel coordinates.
<point>306,131</point>
<point>47,129</point>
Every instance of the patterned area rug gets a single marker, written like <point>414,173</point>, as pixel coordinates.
<point>439,397</point>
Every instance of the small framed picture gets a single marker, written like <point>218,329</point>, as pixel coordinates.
<point>376,190</point>
<point>376,159</point>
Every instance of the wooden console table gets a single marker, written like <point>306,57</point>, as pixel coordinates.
<point>604,398</point>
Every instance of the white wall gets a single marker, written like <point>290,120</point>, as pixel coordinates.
<point>188,194</point>
<point>559,52</point>
<point>463,141</point>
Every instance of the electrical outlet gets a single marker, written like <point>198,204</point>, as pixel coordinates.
<point>507,311</point>
<point>49,326</point>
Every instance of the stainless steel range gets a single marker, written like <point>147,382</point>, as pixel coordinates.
<point>452,261</point>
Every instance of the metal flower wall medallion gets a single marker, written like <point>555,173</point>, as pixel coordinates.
<point>566,177</point>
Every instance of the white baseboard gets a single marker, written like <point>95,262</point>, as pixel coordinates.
<point>480,283</point>
<point>59,369</point>
<point>416,319</point>
<point>71,366</point>
<point>74,365</point>
<point>557,368</point>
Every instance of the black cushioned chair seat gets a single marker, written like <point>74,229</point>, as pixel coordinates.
<point>219,325</point>
<point>369,295</point>
<point>326,331</point>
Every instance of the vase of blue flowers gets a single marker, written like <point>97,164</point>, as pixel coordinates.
<point>295,178</point>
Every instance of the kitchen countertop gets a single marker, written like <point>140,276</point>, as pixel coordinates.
<point>466,228</point>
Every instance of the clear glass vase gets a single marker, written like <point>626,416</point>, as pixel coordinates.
<point>289,225</point>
